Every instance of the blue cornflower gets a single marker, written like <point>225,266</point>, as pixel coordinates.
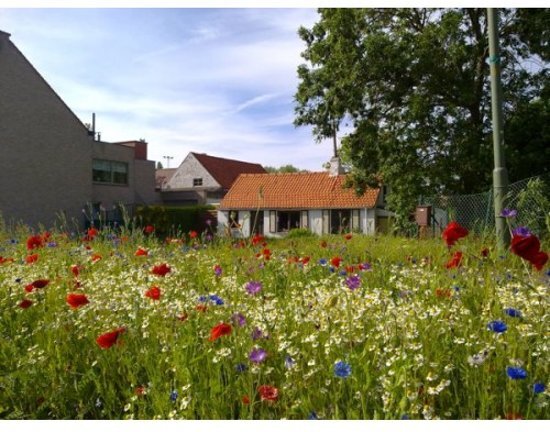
<point>405,417</point>
<point>342,273</point>
<point>497,326</point>
<point>342,369</point>
<point>323,262</point>
<point>353,282</point>
<point>289,362</point>
<point>173,395</point>
<point>52,244</point>
<point>516,373</point>
<point>240,367</point>
<point>203,299</point>
<point>13,241</point>
<point>538,388</point>
<point>508,213</point>
<point>217,300</point>
<point>512,312</point>
<point>313,416</point>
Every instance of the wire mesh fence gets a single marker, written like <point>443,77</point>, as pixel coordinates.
<point>530,197</point>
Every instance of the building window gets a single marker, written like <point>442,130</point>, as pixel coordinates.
<point>104,171</point>
<point>197,182</point>
<point>340,221</point>
<point>234,219</point>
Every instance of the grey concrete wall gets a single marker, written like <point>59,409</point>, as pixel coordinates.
<point>189,169</point>
<point>111,194</point>
<point>145,192</point>
<point>45,151</point>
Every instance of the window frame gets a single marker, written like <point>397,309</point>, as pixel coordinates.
<point>112,172</point>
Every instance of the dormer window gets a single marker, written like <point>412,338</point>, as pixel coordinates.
<point>197,182</point>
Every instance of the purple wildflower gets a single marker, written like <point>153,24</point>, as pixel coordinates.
<point>509,213</point>
<point>353,282</point>
<point>238,319</point>
<point>218,270</point>
<point>257,333</point>
<point>253,287</point>
<point>522,231</point>
<point>257,355</point>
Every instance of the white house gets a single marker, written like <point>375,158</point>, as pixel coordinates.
<point>273,204</point>
<point>203,179</point>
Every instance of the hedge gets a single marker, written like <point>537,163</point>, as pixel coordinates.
<point>173,221</point>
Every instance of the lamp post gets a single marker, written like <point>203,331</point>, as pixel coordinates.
<point>500,174</point>
<point>168,158</point>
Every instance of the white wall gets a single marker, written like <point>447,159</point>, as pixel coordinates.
<point>316,221</point>
<point>190,169</point>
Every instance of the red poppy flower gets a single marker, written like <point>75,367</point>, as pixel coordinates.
<point>266,253</point>
<point>455,261</point>
<point>75,270</point>
<point>149,229</point>
<point>77,300</point>
<point>453,232</point>
<point>201,308</point>
<point>323,244</point>
<point>34,242</point>
<point>96,257</point>
<point>336,261</point>
<point>107,340</point>
<point>528,248</point>
<point>485,252</point>
<point>245,400</point>
<point>31,259</point>
<point>305,260</point>
<point>513,416</point>
<point>5,260</point>
<point>257,239</point>
<point>218,331</point>
<point>139,391</point>
<point>141,252</point>
<point>348,236</point>
<point>40,283</point>
<point>193,234</point>
<point>183,317</point>
<point>153,293</point>
<point>91,234</point>
<point>161,270</point>
<point>268,393</point>
<point>442,293</point>
<point>24,304</point>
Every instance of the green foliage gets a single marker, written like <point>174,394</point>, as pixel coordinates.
<point>409,331</point>
<point>533,206</point>
<point>412,85</point>
<point>300,232</point>
<point>283,169</point>
<point>175,220</point>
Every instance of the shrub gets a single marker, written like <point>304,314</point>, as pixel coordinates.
<point>175,220</point>
<point>300,232</point>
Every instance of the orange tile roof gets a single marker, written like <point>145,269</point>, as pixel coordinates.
<point>225,171</point>
<point>315,190</point>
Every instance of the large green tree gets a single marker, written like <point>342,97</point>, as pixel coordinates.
<point>411,89</point>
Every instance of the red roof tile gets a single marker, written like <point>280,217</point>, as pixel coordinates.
<point>225,171</point>
<point>295,191</point>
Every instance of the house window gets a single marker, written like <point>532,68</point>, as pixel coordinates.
<point>234,219</point>
<point>104,171</point>
<point>340,221</point>
<point>197,182</point>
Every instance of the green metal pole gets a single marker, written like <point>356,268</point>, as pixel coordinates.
<point>500,175</point>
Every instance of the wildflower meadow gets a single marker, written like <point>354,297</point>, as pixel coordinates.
<point>124,325</point>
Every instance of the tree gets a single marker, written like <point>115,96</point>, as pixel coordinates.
<point>412,85</point>
<point>159,165</point>
<point>283,169</point>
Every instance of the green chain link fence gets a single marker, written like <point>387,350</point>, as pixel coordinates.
<point>530,197</point>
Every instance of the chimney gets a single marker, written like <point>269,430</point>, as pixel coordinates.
<point>335,167</point>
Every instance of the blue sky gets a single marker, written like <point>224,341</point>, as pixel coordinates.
<point>218,81</point>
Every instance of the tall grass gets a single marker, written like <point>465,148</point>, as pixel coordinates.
<point>414,333</point>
